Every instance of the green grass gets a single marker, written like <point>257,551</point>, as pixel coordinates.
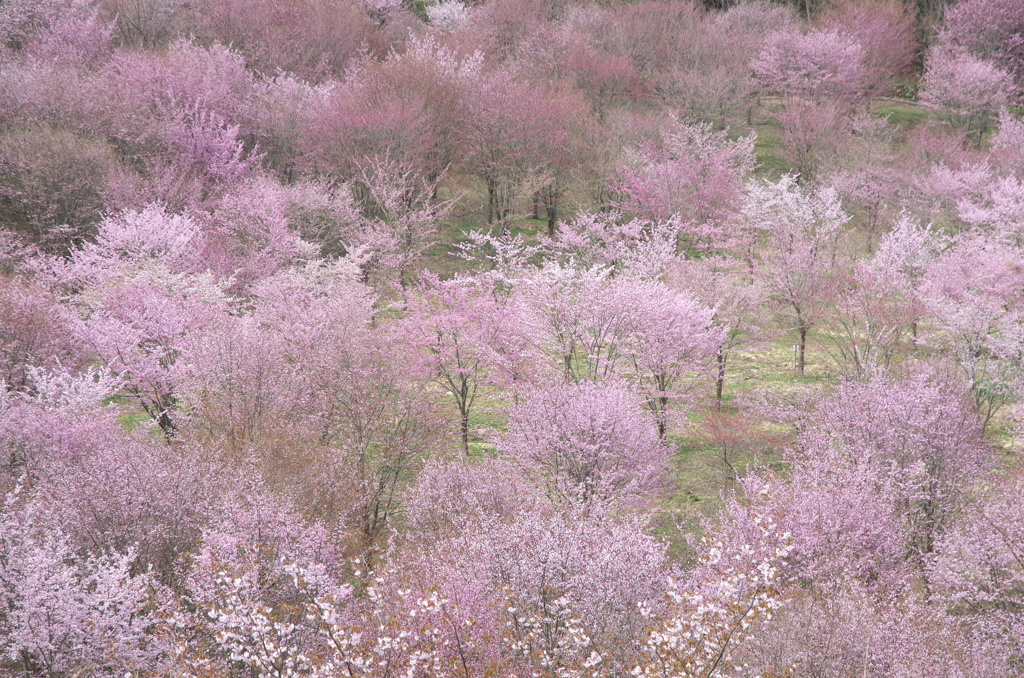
<point>905,115</point>
<point>769,148</point>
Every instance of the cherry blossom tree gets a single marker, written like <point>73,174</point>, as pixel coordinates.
<point>607,239</point>
<point>65,613</point>
<point>736,587</point>
<point>886,33</point>
<point>820,64</point>
<point>879,301</point>
<point>723,285</point>
<point>988,29</point>
<point>919,435</point>
<point>590,444</point>
<point>797,267</point>
<point>465,331</point>
<point>978,566</point>
<point>971,293</point>
<point>967,90</point>
<point>696,175</point>
<point>35,331</point>
<point>624,327</point>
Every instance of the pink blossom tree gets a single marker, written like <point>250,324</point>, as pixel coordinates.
<point>820,64</point>
<point>644,249</point>
<point>404,217</point>
<point>988,29</point>
<point>723,285</point>
<point>465,331</point>
<point>879,300</point>
<point>696,176</point>
<point>64,612</point>
<point>733,591</point>
<point>515,151</point>
<point>972,293</point>
<point>886,33</point>
<point>920,434</point>
<point>979,565</point>
<point>798,265</point>
<point>624,327</point>
<point>589,444</point>
<point>967,90</point>
<point>820,76</point>
<point>35,330</point>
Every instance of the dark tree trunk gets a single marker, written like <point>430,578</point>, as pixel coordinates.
<point>720,379</point>
<point>802,353</point>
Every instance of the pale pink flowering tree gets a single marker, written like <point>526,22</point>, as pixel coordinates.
<point>144,87</point>
<point>567,585</point>
<point>492,540</point>
<point>408,107</point>
<point>74,34</point>
<point>466,333</point>
<point>642,248</point>
<point>281,109</point>
<point>978,565</point>
<point>102,490</point>
<point>625,327</point>
<point>972,293</point>
<point>920,433</point>
<point>447,15</point>
<point>997,206</point>
<point>520,140</point>
<point>59,419</point>
<point>576,50</point>
<point>35,330</point>
<point>695,175</point>
<point>988,29</point>
<point>672,347</point>
<point>248,236</point>
<point>736,587</point>
<point>52,182</point>
<point>819,65</point>
<point>589,444</point>
<point>450,495</point>
<point>798,265</point>
<point>856,631</point>
<point>404,217</point>
<point>178,118</point>
<point>813,133</point>
<point>66,612</point>
<point>314,40</point>
<point>133,494</point>
<point>885,31</point>
<point>134,239</point>
<point>258,566</point>
<point>237,387</point>
<point>991,195</point>
<point>879,300</point>
<point>820,76</point>
<point>363,417</point>
<point>723,285</point>
<point>868,178</point>
<point>966,89</point>
<point>137,328</point>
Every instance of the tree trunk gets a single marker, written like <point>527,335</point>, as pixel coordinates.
<point>464,414</point>
<point>720,380</point>
<point>801,354</point>
<point>491,197</point>
<point>662,418</point>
